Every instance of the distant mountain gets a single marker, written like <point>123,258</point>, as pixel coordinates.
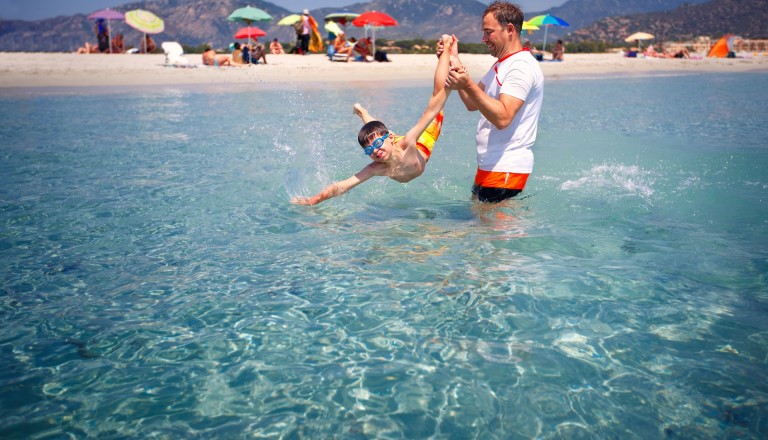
<point>196,22</point>
<point>746,18</point>
<point>191,22</point>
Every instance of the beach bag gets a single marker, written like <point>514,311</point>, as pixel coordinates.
<point>380,56</point>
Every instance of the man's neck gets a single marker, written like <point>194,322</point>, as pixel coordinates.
<point>514,47</point>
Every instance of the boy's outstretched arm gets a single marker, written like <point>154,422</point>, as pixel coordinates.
<point>338,188</point>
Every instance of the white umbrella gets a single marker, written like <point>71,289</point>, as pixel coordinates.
<point>639,37</point>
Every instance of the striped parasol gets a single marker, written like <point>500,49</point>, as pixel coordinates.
<point>145,22</point>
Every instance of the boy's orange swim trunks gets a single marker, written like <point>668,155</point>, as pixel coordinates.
<point>429,137</point>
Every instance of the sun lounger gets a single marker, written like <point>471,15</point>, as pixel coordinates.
<point>174,54</point>
<point>339,57</point>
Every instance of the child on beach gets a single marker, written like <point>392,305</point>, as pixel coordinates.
<point>401,158</point>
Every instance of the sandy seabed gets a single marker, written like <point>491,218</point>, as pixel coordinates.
<point>30,70</point>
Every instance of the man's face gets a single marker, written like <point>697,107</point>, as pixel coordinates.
<point>495,36</point>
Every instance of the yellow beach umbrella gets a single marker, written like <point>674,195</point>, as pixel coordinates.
<point>333,28</point>
<point>145,22</point>
<point>289,20</point>
<point>529,27</point>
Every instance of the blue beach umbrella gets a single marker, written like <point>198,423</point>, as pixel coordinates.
<point>547,21</point>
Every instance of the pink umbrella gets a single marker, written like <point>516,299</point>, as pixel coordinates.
<point>107,14</point>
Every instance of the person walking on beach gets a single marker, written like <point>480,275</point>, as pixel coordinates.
<point>401,158</point>
<point>306,30</point>
<point>509,98</point>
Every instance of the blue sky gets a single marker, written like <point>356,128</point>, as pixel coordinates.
<point>38,9</point>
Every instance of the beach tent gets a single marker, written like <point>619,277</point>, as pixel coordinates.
<point>723,47</point>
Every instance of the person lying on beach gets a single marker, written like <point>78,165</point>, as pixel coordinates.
<point>401,158</point>
<point>211,58</point>
<point>651,52</point>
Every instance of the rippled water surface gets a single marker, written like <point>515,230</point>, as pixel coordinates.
<point>156,283</point>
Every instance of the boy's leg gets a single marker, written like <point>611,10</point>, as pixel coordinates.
<point>443,63</point>
<point>427,140</point>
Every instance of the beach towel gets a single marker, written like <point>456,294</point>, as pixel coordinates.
<point>315,39</point>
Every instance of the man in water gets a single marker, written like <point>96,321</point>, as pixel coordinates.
<point>509,99</point>
<point>401,158</point>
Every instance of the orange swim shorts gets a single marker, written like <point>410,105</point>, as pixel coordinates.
<point>495,179</point>
<point>427,139</point>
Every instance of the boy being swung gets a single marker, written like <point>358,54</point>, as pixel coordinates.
<point>401,158</point>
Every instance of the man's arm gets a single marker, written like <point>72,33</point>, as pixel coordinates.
<point>499,112</point>
<point>468,103</point>
<point>338,188</point>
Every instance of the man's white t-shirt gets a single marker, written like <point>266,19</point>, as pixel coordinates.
<point>509,150</point>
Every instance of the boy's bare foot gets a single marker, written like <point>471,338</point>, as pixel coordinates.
<point>451,43</point>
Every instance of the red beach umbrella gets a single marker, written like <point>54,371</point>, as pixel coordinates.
<point>249,32</point>
<point>374,19</point>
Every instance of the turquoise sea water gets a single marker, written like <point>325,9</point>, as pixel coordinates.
<point>156,283</point>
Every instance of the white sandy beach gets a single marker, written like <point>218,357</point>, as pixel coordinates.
<point>29,70</point>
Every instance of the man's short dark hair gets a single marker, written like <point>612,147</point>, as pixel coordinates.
<point>506,13</point>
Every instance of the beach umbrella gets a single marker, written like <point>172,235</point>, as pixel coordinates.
<point>144,21</point>
<point>248,32</point>
<point>374,19</point>
<point>547,21</point>
<point>109,15</point>
<point>289,20</point>
<point>639,37</point>
<point>342,18</point>
<point>249,14</point>
<point>333,28</point>
<point>529,27</point>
